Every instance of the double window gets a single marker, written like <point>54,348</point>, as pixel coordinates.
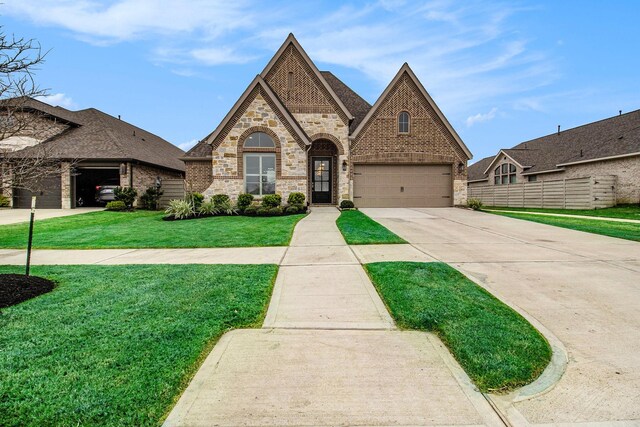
<point>505,174</point>
<point>259,168</point>
<point>404,122</point>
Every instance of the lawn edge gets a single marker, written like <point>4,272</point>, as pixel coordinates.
<point>399,241</point>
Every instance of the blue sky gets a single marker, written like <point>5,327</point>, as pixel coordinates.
<point>501,71</point>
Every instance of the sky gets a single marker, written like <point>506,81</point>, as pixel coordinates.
<point>502,72</point>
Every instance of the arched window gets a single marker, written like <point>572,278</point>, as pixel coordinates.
<point>403,122</point>
<point>260,168</point>
<point>504,174</point>
<point>259,140</point>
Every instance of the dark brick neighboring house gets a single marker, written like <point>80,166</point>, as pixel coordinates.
<point>298,129</point>
<point>609,147</point>
<point>103,150</point>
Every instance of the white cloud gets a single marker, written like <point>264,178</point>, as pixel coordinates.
<point>480,117</point>
<point>57,100</point>
<point>186,146</point>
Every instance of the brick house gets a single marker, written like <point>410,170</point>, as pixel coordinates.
<point>298,129</point>
<point>605,148</point>
<point>93,148</point>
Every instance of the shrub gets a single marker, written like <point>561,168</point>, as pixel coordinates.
<point>116,205</point>
<point>346,204</point>
<point>244,201</point>
<point>126,195</point>
<point>250,210</point>
<point>475,204</point>
<point>181,209</point>
<point>271,200</point>
<point>150,198</point>
<point>4,201</point>
<point>296,198</point>
<point>226,207</point>
<point>292,209</point>
<point>195,199</point>
<point>277,211</point>
<point>208,208</point>
<point>262,211</point>
<point>220,199</point>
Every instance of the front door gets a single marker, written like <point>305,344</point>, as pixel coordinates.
<point>321,180</point>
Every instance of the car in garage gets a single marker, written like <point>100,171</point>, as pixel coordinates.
<point>106,192</point>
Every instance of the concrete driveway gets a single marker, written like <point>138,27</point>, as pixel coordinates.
<point>14,216</point>
<point>584,288</point>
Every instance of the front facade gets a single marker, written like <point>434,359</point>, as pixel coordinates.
<point>606,148</point>
<point>296,129</point>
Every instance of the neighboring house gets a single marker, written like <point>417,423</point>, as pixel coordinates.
<point>609,147</point>
<point>298,129</point>
<point>94,149</point>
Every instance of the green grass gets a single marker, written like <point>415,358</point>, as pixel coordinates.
<point>359,229</point>
<point>145,229</point>
<point>116,345</point>
<point>496,346</point>
<point>621,211</point>
<point>622,230</point>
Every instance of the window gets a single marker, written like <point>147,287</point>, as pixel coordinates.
<point>403,122</point>
<point>532,178</point>
<point>260,173</point>
<point>259,140</point>
<point>504,174</point>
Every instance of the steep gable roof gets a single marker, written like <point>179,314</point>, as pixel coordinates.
<point>405,69</point>
<point>258,83</point>
<point>292,41</point>
<point>475,172</point>
<point>101,136</point>
<point>358,106</point>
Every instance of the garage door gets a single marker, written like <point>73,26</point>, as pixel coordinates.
<point>49,199</point>
<point>407,186</point>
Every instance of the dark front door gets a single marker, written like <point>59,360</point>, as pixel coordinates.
<point>321,180</point>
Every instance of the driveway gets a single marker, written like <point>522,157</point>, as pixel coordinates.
<point>13,216</point>
<point>584,288</point>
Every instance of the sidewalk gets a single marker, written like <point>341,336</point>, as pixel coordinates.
<point>328,354</point>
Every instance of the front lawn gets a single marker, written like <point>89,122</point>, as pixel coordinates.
<point>117,345</point>
<point>496,346</point>
<point>359,229</point>
<point>622,230</point>
<point>620,211</point>
<point>146,229</point>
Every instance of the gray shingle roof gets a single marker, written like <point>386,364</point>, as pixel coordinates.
<point>614,136</point>
<point>98,135</point>
<point>476,170</point>
<point>354,103</point>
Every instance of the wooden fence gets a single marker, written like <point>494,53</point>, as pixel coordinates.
<point>171,189</point>
<point>576,193</point>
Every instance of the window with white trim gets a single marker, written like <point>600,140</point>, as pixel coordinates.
<point>260,173</point>
<point>505,174</point>
<point>403,122</point>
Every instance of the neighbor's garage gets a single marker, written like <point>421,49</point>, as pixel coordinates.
<point>402,186</point>
<point>51,198</point>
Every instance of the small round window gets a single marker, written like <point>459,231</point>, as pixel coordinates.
<point>259,140</point>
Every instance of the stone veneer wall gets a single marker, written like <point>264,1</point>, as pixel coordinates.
<point>428,140</point>
<point>227,156</point>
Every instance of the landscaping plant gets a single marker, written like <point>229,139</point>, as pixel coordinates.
<point>296,198</point>
<point>346,204</point>
<point>116,205</point>
<point>475,204</point>
<point>150,198</point>
<point>208,208</point>
<point>271,200</point>
<point>4,201</point>
<point>180,209</point>
<point>195,199</point>
<point>244,201</point>
<point>126,195</point>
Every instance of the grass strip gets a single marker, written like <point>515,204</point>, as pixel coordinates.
<point>620,211</point>
<point>117,345</point>
<point>621,230</point>
<point>496,346</point>
<point>358,229</point>
<point>146,229</point>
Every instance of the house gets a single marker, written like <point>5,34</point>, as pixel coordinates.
<point>296,129</point>
<point>92,148</point>
<point>606,148</point>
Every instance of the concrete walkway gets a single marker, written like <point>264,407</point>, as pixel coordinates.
<point>597,218</point>
<point>328,354</point>
<point>14,216</point>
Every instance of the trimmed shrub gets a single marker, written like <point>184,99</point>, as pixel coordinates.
<point>475,204</point>
<point>271,200</point>
<point>4,201</point>
<point>149,200</point>
<point>250,210</point>
<point>126,195</point>
<point>295,209</point>
<point>181,209</point>
<point>296,198</point>
<point>277,211</point>
<point>262,211</point>
<point>244,201</point>
<point>116,205</point>
<point>220,199</point>
<point>346,204</point>
<point>195,199</point>
<point>208,208</point>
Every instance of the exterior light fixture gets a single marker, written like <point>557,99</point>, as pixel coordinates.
<point>460,167</point>
<point>123,168</point>
<point>344,166</point>
<point>158,182</point>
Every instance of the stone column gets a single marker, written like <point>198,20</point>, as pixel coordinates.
<point>65,185</point>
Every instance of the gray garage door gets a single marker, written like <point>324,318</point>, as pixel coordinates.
<point>49,199</point>
<point>406,186</point>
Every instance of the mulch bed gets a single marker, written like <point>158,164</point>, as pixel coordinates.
<point>16,288</point>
